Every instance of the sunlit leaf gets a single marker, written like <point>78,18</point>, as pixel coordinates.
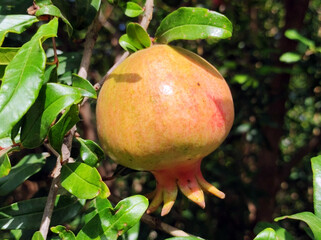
<point>281,233</point>
<point>64,234</point>
<point>316,169</point>
<point>309,218</point>
<point>127,44</point>
<point>294,35</point>
<point>83,181</point>
<point>193,23</point>
<point>290,57</point>
<point>137,34</point>
<point>82,83</point>
<point>111,223</point>
<point>132,9</point>
<point>37,236</point>
<point>90,152</point>
<point>5,165</point>
<point>15,24</point>
<point>28,214</point>
<point>27,167</point>
<point>23,78</point>
<point>266,234</point>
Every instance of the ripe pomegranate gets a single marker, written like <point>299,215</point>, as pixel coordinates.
<point>162,110</point>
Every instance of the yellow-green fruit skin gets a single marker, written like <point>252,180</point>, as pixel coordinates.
<point>163,107</point>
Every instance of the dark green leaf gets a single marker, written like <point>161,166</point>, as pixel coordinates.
<point>309,218</point>
<point>51,74</point>
<point>316,169</point>
<point>294,35</point>
<point>111,223</point>
<point>27,167</point>
<point>127,44</point>
<point>97,205</point>
<point>27,214</point>
<point>193,23</point>
<point>90,152</point>
<point>53,98</point>
<point>52,10</point>
<point>64,234</point>
<point>37,236</point>
<point>68,64</point>
<point>290,57</point>
<point>7,54</point>
<point>84,84</point>
<point>266,234</point>
<point>64,124</point>
<point>137,34</point>
<point>183,238</point>
<point>86,11</point>
<point>83,181</point>
<point>15,24</point>
<point>132,9</point>
<point>5,165</point>
<point>23,78</point>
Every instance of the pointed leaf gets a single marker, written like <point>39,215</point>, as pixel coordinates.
<point>27,214</point>
<point>193,23</point>
<point>64,234</point>
<point>90,152</point>
<point>316,169</point>
<point>27,167</point>
<point>23,78</point>
<point>266,234</point>
<point>7,54</point>
<point>37,236</point>
<point>281,233</point>
<point>83,181</point>
<point>309,218</point>
<point>290,57</point>
<point>15,24</point>
<point>112,223</point>
<point>53,98</point>
<point>132,9</point>
<point>65,123</point>
<point>5,165</point>
<point>52,10</point>
<point>84,84</point>
<point>294,35</point>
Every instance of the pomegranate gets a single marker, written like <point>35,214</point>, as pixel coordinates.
<point>162,110</point>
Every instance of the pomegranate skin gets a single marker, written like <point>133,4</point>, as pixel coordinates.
<point>164,108</point>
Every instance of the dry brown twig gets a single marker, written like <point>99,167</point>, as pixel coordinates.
<point>83,72</point>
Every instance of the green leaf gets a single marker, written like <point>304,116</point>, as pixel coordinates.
<point>15,24</point>
<point>53,98</point>
<point>86,11</point>
<point>7,54</point>
<point>5,165</point>
<point>266,234</point>
<point>294,35</point>
<point>83,181</point>
<point>52,10</point>
<point>37,236</point>
<point>27,167</point>
<point>281,233</point>
<point>84,84</point>
<point>138,35</point>
<point>97,205</point>
<point>112,223</point>
<point>127,44</point>
<point>28,214</point>
<point>316,169</point>
<point>309,218</point>
<point>63,233</point>
<point>90,152</point>
<point>64,124</point>
<point>290,57</point>
<point>23,78</point>
<point>132,9</point>
<point>193,23</point>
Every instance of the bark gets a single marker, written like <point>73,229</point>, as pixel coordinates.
<point>269,178</point>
